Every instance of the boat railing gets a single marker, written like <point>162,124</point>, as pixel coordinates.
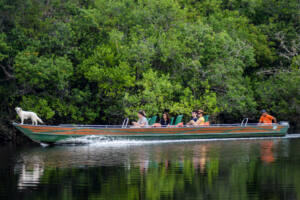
<point>244,122</point>
<point>125,125</point>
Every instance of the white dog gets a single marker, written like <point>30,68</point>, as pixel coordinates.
<point>28,115</point>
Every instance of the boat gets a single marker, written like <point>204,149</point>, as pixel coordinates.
<point>51,134</point>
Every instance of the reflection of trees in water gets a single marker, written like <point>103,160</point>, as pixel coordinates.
<point>234,171</point>
<point>195,157</point>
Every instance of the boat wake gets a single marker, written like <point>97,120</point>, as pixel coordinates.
<point>84,140</point>
<point>105,141</point>
<point>297,135</point>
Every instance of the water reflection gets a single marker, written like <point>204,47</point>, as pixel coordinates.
<point>241,169</point>
<point>30,175</point>
<point>266,152</point>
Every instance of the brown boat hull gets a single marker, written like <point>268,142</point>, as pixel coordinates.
<point>52,134</point>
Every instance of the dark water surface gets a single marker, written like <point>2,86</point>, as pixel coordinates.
<point>211,169</point>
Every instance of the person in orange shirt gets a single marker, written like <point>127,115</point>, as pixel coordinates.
<point>266,118</point>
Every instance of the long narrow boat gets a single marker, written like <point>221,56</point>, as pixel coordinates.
<point>53,134</point>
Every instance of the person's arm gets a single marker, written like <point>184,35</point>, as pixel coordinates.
<point>273,119</point>
<point>190,122</point>
<point>199,122</point>
<point>161,121</point>
<point>135,124</point>
<point>144,122</point>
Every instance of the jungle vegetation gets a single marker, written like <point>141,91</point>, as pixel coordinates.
<point>98,61</point>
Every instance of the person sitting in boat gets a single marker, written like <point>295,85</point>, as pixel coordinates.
<point>142,122</point>
<point>266,118</point>
<point>193,119</point>
<point>165,120</point>
<point>200,120</point>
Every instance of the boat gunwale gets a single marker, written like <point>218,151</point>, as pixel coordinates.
<point>160,134</point>
<point>78,126</point>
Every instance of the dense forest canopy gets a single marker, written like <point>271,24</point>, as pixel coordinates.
<point>97,61</point>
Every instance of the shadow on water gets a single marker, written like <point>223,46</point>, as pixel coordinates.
<point>265,168</point>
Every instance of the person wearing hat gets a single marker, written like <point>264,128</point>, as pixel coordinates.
<point>142,122</point>
<point>266,118</point>
<point>200,121</point>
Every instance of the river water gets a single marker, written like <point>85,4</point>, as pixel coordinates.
<point>194,169</point>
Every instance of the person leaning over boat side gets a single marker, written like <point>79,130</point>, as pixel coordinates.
<point>265,118</point>
<point>142,122</point>
<point>193,119</point>
<point>165,120</point>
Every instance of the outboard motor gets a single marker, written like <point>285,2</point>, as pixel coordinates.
<point>283,123</point>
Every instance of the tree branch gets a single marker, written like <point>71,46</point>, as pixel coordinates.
<point>289,51</point>
<point>272,71</point>
<point>8,74</point>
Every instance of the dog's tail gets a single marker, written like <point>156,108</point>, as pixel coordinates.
<point>39,120</point>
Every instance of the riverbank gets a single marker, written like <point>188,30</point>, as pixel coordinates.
<point>8,134</point>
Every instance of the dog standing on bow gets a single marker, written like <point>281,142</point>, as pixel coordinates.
<point>28,115</point>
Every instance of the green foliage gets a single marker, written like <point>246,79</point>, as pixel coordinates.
<point>4,48</point>
<point>156,93</point>
<point>40,72</point>
<point>188,102</point>
<point>280,94</point>
<point>105,68</point>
